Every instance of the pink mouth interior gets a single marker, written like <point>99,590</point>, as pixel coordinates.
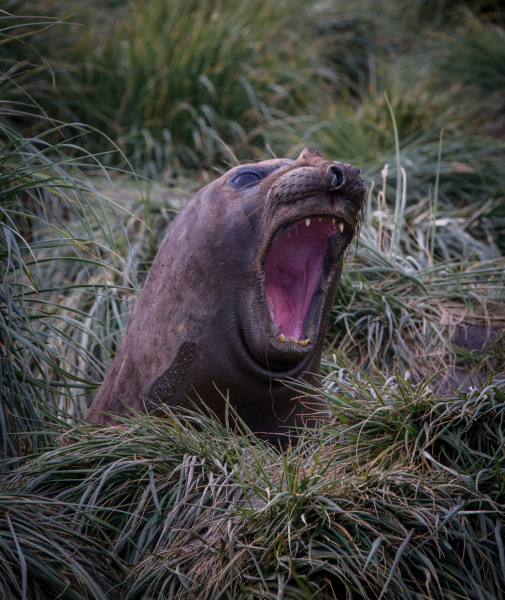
<point>292,272</point>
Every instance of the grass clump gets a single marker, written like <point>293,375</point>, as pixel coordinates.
<point>415,282</point>
<point>183,85</point>
<point>44,554</point>
<point>67,269</point>
<point>401,496</point>
<point>56,243</point>
<point>477,54</point>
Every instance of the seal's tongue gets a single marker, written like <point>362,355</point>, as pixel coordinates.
<point>293,270</point>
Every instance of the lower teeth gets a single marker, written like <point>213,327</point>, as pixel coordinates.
<point>283,338</point>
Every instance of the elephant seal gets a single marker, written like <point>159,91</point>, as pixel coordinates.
<point>238,297</point>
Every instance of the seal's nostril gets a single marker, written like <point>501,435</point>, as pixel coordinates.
<point>338,177</point>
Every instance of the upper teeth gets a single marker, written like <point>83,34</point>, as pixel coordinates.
<point>340,224</point>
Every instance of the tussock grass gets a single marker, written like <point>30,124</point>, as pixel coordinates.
<point>183,84</point>
<point>477,54</point>
<point>59,238</point>
<point>401,496</point>
<point>414,282</point>
<point>44,555</point>
<point>469,161</point>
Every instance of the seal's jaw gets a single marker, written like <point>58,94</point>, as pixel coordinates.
<point>307,213</point>
<point>302,258</point>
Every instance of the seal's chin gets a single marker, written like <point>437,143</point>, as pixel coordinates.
<point>301,260</point>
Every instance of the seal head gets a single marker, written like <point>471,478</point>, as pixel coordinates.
<point>238,298</point>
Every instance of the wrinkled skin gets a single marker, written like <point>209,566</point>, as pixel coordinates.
<point>202,327</point>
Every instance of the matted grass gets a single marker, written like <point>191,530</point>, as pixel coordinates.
<point>400,496</point>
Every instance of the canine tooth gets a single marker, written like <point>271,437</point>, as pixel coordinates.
<point>333,220</point>
<point>303,342</point>
<point>307,222</point>
<point>341,226</point>
<point>320,219</point>
<point>281,337</point>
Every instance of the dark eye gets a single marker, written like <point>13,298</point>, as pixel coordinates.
<point>245,178</point>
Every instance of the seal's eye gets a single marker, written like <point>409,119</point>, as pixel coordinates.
<point>245,178</point>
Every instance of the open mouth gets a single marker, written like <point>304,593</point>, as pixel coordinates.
<point>296,266</point>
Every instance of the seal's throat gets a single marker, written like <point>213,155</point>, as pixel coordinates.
<point>297,264</point>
